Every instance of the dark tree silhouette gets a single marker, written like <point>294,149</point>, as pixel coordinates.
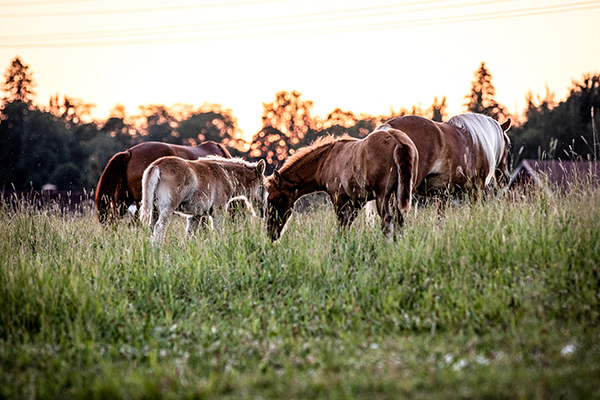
<point>290,115</point>
<point>286,123</point>
<point>271,144</point>
<point>481,99</point>
<point>159,126</point>
<point>561,131</point>
<point>438,109</point>
<point>210,122</point>
<point>72,110</point>
<point>19,83</point>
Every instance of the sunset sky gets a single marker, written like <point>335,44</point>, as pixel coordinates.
<point>364,57</point>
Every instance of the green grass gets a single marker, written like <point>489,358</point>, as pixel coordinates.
<point>499,299</point>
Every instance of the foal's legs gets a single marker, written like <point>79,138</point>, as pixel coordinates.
<point>160,228</point>
<point>192,226</point>
<point>194,222</point>
<point>153,218</point>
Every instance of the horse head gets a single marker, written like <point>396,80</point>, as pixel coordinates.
<point>280,200</point>
<point>257,195</point>
<point>502,172</point>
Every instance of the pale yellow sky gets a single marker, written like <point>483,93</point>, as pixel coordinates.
<point>364,57</point>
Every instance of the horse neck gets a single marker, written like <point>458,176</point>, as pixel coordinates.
<point>303,173</point>
<point>237,176</point>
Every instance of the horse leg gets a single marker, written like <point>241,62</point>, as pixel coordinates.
<point>387,221</point>
<point>217,222</point>
<point>160,228</point>
<point>205,223</point>
<point>346,213</point>
<point>153,218</point>
<point>192,225</point>
<point>442,198</point>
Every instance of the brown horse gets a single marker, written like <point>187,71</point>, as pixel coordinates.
<point>121,182</point>
<point>197,188</point>
<point>352,172</point>
<point>466,153</point>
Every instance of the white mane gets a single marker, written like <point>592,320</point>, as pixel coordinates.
<point>486,132</point>
<point>233,160</point>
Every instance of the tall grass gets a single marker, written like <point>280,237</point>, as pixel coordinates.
<point>496,299</point>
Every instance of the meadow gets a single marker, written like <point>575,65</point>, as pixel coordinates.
<point>494,299</point>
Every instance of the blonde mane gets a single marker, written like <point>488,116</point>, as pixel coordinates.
<point>320,142</point>
<point>485,132</point>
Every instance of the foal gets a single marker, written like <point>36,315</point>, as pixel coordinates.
<point>197,189</point>
<point>120,185</point>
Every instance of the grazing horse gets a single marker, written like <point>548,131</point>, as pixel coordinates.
<point>466,153</point>
<point>121,182</point>
<point>197,188</point>
<point>352,171</point>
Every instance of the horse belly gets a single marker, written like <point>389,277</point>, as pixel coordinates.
<point>197,204</point>
<point>358,191</point>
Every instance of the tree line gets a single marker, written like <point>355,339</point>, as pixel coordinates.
<point>61,144</point>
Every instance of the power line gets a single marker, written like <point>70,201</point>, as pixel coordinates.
<point>42,3</point>
<point>327,16</point>
<point>139,10</point>
<point>527,12</point>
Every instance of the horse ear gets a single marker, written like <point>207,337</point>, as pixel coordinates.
<point>506,125</point>
<point>277,178</point>
<point>260,167</point>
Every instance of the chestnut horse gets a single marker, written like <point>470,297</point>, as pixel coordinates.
<point>352,171</point>
<point>467,153</point>
<point>197,188</point>
<point>121,182</point>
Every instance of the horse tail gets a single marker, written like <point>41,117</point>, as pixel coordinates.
<point>112,183</point>
<point>407,163</point>
<point>149,184</point>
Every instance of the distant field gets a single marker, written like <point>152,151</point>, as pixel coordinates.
<point>498,299</point>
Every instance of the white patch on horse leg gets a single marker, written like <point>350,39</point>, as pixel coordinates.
<point>217,225</point>
<point>158,236</point>
<point>371,212</point>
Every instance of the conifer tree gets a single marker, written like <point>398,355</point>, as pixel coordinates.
<point>19,83</point>
<point>481,99</point>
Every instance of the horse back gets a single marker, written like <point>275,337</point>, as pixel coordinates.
<point>205,149</point>
<point>441,148</point>
<point>142,155</point>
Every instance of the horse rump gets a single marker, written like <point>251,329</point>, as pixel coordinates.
<point>149,184</point>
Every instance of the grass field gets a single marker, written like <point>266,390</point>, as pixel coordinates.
<point>498,299</point>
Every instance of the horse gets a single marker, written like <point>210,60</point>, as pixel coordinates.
<point>465,154</point>
<point>197,188</point>
<point>121,182</point>
<point>352,171</point>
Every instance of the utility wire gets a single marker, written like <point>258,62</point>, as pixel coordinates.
<point>496,15</point>
<point>327,16</point>
<point>42,3</point>
<point>140,10</point>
